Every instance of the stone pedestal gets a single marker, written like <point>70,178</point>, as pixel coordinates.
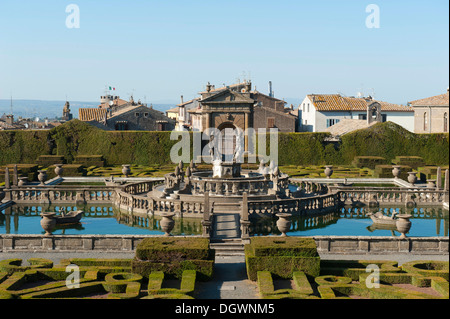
<point>226,170</point>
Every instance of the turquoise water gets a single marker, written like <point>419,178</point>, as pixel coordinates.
<point>104,219</point>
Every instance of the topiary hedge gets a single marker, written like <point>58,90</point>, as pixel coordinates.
<point>291,255</point>
<point>76,138</point>
<point>173,256</point>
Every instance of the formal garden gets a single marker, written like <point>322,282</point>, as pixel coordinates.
<point>176,268</point>
<point>326,195</point>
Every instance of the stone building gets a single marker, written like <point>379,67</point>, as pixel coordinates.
<point>431,114</point>
<point>235,106</point>
<point>115,115</point>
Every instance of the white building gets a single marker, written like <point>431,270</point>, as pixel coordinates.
<point>321,111</point>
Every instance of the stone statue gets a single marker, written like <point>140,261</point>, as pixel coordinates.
<point>239,151</point>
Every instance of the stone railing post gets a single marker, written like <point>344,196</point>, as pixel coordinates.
<point>206,222</point>
<point>245,223</point>
<point>446,186</point>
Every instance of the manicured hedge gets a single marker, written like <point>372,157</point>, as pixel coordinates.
<point>173,256</point>
<point>76,138</point>
<point>293,254</point>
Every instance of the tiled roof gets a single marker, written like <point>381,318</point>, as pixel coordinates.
<point>92,114</point>
<point>336,102</point>
<point>438,100</point>
<point>174,110</point>
<point>347,125</point>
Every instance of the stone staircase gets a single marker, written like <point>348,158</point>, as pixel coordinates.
<point>228,247</point>
<point>226,237</point>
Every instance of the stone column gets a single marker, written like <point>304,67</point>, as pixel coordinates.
<point>15,176</point>
<point>206,222</point>
<point>246,126</point>
<point>208,121</point>
<point>446,186</point>
<point>7,179</point>
<point>245,223</point>
<point>439,178</point>
<point>447,181</point>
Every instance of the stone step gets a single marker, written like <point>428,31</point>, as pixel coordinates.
<point>227,247</point>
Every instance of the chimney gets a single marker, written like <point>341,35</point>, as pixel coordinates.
<point>270,89</point>
<point>182,99</point>
<point>10,119</point>
<point>208,87</point>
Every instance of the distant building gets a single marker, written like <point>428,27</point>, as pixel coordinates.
<point>173,113</point>
<point>67,116</point>
<point>235,106</point>
<point>321,111</point>
<point>116,114</point>
<point>431,114</point>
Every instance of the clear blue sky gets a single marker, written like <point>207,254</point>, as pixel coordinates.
<point>164,49</point>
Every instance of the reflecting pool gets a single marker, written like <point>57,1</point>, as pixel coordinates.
<point>106,219</point>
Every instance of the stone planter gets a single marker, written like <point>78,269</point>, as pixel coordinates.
<point>328,171</point>
<point>167,223</point>
<point>403,224</point>
<point>284,223</point>
<point>42,177</point>
<point>48,223</point>
<point>22,181</point>
<point>396,171</point>
<point>126,170</point>
<point>59,170</point>
<point>412,178</point>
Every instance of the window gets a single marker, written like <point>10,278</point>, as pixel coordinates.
<point>383,118</point>
<point>303,107</point>
<point>270,122</point>
<point>362,116</point>
<point>425,121</point>
<point>331,122</point>
<point>308,108</point>
<point>137,114</point>
<point>445,122</point>
<point>145,114</point>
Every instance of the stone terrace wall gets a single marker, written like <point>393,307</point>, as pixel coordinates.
<point>347,245</point>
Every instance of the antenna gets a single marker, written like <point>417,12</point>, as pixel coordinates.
<point>11,105</point>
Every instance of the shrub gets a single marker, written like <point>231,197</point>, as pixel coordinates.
<point>293,254</point>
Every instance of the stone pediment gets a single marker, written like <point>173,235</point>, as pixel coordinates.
<point>228,97</point>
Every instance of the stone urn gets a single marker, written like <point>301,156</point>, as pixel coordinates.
<point>42,177</point>
<point>284,223</point>
<point>412,178</point>
<point>431,183</point>
<point>328,171</point>
<point>126,170</point>
<point>403,224</point>
<point>396,171</point>
<point>22,181</point>
<point>59,170</point>
<point>167,223</point>
<point>48,223</point>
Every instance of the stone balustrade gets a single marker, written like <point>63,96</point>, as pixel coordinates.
<point>294,206</point>
<point>62,194</point>
<point>141,188</point>
<point>390,196</point>
<point>230,188</point>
